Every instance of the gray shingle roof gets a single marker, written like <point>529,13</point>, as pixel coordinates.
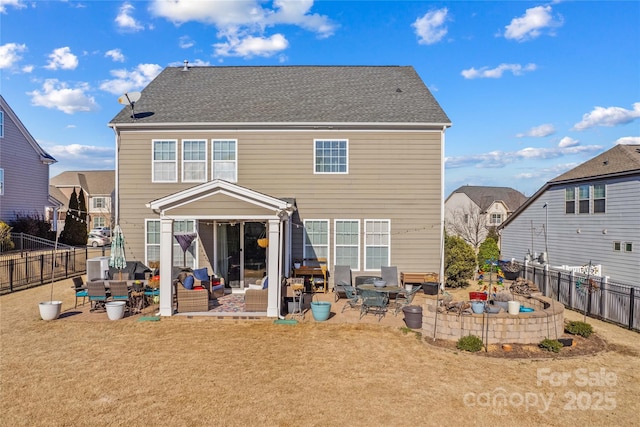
<point>619,159</point>
<point>485,196</point>
<point>286,94</point>
<point>96,183</point>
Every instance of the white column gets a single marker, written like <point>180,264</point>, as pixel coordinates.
<point>166,264</point>
<point>273,267</point>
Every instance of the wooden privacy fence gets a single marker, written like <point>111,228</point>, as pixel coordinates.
<point>600,297</point>
<point>22,270</point>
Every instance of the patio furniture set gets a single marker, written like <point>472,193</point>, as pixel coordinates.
<point>135,293</point>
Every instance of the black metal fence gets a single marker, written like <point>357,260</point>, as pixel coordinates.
<point>599,297</point>
<point>20,269</point>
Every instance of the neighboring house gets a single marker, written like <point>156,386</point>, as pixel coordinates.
<point>589,214</point>
<point>24,170</point>
<point>98,187</point>
<point>471,211</point>
<point>335,162</point>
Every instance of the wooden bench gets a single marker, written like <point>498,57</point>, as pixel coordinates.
<point>418,278</point>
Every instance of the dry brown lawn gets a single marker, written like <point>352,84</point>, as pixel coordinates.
<point>194,372</point>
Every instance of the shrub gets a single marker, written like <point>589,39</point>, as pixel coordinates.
<point>488,252</point>
<point>459,262</point>
<point>470,343</point>
<point>579,328</point>
<point>6,244</point>
<point>551,345</point>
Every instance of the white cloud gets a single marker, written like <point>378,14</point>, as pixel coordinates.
<point>62,58</point>
<point>547,173</point>
<point>115,54</point>
<point>13,3</point>
<point>27,68</point>
<point>430,28</point>
<point>125,80</point>
<point>125,21</point>
<point>608,117</point>
<point>628,140</point>
<point>568,142</point>
<point>241,24</point>
<point>499,159</point>
<point>532,24</point>
<point>496,73</point>
<point>77,151</point>
<point>252,46</point>
<point>58,95</point>
<point>185,42</point>
<point>10,54</point>
<point>195,63</point>
<point>539,131</point>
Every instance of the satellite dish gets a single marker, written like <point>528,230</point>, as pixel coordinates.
<point>130,98</point>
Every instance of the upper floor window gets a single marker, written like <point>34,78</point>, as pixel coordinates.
<point>599,198</point>
<point>347,241</point>
<point>99,221</point>
<point>165,166</point>
<point>570,200</point>
<point>316,239</point>
<point>194,160</point>
<point>1,181</point>
<point>1,124</point>
<point>584,195</point>
<point>224,160</point>
<point>331,156</point>
<point>98,202</point>
<point>377,238</point>
<point>496,219</point>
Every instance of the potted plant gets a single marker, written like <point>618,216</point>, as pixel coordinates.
<point>297,263</point>
<point>50,310</point>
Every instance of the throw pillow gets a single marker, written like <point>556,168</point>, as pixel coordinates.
<point>188,282</point>
<point>265,282</point>
<point>198,288</point>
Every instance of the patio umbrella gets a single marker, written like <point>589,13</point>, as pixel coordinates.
<point>117,258</point>
<point>185,240</point>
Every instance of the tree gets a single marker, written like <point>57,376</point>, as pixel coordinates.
<point>6,244</point>
<point>488,251</point>
<point>34,225</point>
<point>75,230</point>
<point>468,223</point>
<point>82,213</point>
<point>459,261</point>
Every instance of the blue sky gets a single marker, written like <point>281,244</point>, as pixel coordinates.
<point>532,88</point>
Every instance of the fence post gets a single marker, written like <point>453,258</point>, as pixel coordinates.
<point>571,287</point>
<point>41,269</point>
<point>12,266</point>
<point>545,279</point>
<point>631,304</point>
<point>558,292</point>
<point>603,295</point>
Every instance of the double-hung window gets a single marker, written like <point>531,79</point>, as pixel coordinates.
<point>99,221</point>
<point>599,198</point>
<point>496,219</point>
<point>98,203</point>
<point>224,159</point>
<point>316,239</point>
<point>165,165</point>
<point>570,200</point>
<point>331,156</point>
<point>152,243</point>
<point>194,160</point>
<point>377,237</point>
<point>1,181</point>
<point>347,242</point>
<point>584,195</point>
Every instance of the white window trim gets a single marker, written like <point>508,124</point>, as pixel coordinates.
<point>1,124</point>
<point>304,237</point>
<point>154,162</point>
<point>346,140</point>
<point>1,181</point>
<point>364,255</point>
<point>175,242</point>
<point>335,239</point>
<point>492,222</point>
<point>213,161</point>
<point>626,244</point>
<point>206,157</point>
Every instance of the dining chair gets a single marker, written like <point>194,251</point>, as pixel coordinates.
<point>405,298</point>
<point>374,302</point>
<point>353,299</point>
<point>390,275</point>
<point>120,292</point>
<point>341,277</point>
<point>81,290</point>
<point>97,294</point>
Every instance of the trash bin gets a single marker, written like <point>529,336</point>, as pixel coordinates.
<point>413,316</point>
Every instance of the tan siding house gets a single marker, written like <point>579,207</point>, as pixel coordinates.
<point>342,163</point>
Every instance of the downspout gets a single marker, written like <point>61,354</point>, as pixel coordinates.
<point>117,163</point>
<point>442,158</point>
<point>280,269</point>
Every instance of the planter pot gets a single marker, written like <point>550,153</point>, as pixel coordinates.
<point>50,310</point>
<point>296,265</point>
<point>566,342</point>
<point>502,304</point>
<point>430,288</point>
<point>115,309</point>
<point>511,275</point>
<point>320,310</point>
<point>477,307</point>
<point>478,296</point>
<point>263,243</point>
<point>514,307</point>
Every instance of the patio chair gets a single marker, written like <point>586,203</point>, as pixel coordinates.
<point>97,294</point>
<point>120,292</point>
<point>405,298</point>
<point>81,290</point>
<point>353,299</point>
<point>341,277</point>
<point>191,300</point>
<point>373,302</point>
<point>390,275</point>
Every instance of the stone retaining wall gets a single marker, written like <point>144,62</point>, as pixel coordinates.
<point>546,321</point>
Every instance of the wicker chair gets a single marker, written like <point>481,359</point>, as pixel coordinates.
<point>81,290</point>
<point>191,300</point>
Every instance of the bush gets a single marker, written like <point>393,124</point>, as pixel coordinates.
<point>470,343</point>
<point>34,225</point>
<point>579,328</point>
<point>551,345</point>
<point>459,262</point>
<point>6,244</point>
<point>488,251</point>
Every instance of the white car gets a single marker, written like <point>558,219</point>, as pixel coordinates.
<point>96,240</point>
<point>103,231</point>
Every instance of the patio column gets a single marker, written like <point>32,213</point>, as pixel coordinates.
<point>166,264</point>
<point>274,267</point>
